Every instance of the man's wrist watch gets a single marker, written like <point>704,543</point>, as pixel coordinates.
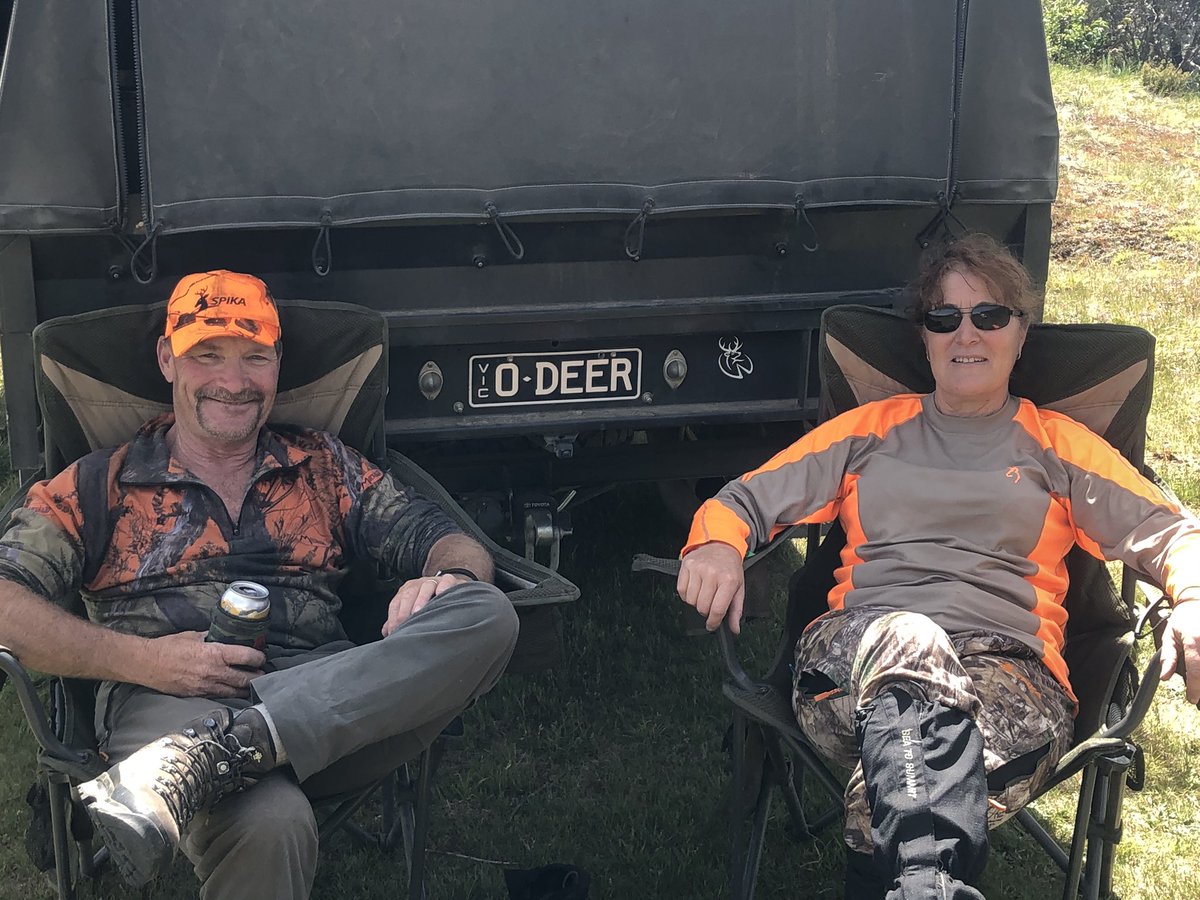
<point>456,570</point>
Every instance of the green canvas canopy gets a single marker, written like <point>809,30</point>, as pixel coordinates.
<point>283,114</point>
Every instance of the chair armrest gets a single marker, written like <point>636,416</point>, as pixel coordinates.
<point>18,496</point>
<point>1141,701</point>
<point>1153,616</point>
<point>54,752</point>
<point>526,583</point>
<point>726,642</point>
<point>643,562</point>
<point>1111,741</point>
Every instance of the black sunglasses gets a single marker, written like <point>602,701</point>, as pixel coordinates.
<point>217,322</point>
<point>985,317</point>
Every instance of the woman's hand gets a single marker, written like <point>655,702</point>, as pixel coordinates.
<point>711,580</point>
<point>1181,647</point>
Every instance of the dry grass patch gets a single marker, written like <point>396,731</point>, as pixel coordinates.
<point>1126,248</point>
<point>1129,170</point>
<point>1162,296</point>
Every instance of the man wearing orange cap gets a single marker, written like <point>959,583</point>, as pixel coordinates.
<point>203,496</point>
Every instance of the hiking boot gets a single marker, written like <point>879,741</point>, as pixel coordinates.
<point>141,805</point>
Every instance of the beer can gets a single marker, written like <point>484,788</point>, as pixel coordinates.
<point>241,616</point>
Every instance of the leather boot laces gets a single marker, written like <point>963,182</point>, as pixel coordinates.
<point>205,771</point>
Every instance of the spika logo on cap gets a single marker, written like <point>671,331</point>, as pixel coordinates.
<point>220,304</point>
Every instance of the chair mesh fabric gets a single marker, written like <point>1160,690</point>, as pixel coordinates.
<point>808,587</point>
<point>1100,375</point>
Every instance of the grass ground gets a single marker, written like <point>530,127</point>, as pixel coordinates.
<point>614,760</point>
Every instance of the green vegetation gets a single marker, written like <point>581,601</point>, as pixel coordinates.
<point>1161,36</point>
<point>614,761</point>
<point>1072,35</point>
<point>1166,80</point>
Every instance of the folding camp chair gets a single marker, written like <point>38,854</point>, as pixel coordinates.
<point>1100,375</point>
<point>97,381</point>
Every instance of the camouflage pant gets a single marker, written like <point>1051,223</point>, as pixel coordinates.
<point>845,658</point>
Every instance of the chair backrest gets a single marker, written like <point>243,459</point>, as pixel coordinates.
<point>97,377</point>
<point>1099,375</point>
<point>97,380</point>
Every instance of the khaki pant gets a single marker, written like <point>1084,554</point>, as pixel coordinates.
<point>845,658</point>
<point>345,715</point>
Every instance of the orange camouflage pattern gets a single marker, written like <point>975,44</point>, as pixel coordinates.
<point>162,548</point>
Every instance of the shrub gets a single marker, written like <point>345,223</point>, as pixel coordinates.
<point>1073,36</point>
<point>1166,80</point>
<point>1159,31</point>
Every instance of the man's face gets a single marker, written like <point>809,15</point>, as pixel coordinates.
<point>222,388</point>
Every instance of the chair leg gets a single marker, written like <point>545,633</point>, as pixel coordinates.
<point>398,813</point>
<point>737,805</point>
<point>64,871</point>
<point>782,766</point>
<point>91,861</point>
<point>387,812</point>
<point>1104,827</point>
<point>421,803</point>
<point>755,839</point>
<point>1045,839</point>
<point>810,765</point>
<point>1095,840</point>
<point>1083,815</point>
<point>1098,828</point>
<point>341,817</point>
<point>746,839</point>
<point>1113,826</point>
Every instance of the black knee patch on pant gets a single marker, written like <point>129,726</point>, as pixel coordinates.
<point>923,767</point>
<point>864,879</point>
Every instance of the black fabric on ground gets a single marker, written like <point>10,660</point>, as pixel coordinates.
<point>553,882</point>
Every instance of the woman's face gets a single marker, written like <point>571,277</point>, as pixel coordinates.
<point>971,367</point>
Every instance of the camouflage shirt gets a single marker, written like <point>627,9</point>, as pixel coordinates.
<point>158,546</point>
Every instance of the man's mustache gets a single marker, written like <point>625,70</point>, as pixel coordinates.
<point>246,396</point>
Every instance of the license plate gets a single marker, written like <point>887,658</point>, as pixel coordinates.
<point>570,376</point>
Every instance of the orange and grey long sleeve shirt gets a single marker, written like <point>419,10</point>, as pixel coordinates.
<point>967,520</point>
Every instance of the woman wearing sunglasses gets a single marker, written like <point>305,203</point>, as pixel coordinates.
<point>936,678</point>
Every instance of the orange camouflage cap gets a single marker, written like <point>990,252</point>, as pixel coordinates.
<point>220,304</point>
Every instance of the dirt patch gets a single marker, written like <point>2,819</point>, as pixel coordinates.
<point>1148,140</point>
<point>1112,198</point>
<point>1082,230</point>
<point>1097,218</point>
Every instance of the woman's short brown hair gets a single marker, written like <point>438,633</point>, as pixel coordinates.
<point>983,256</point>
